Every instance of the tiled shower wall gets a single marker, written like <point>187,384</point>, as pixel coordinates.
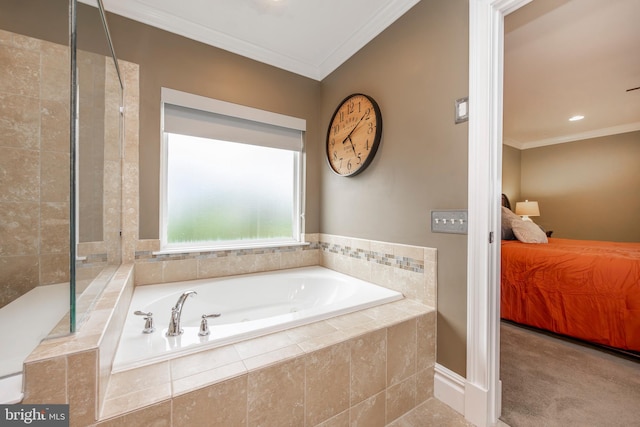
<point>34,164</point>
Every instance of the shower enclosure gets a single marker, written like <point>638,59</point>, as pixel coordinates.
<point>60,171</point>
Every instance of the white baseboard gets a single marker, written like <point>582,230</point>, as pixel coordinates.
<point>448,387</point>
<point>467,399</point>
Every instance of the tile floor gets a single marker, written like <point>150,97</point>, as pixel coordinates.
<point>434,413</point>
<point>431,413</point>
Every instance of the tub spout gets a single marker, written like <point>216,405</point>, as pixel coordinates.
<point>176,311</point>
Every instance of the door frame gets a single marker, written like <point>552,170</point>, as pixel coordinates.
<point>482,388</point>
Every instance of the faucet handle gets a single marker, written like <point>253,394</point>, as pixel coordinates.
<point>148,324</point>
<point>204,325</point>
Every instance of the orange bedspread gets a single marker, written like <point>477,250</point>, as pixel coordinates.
<point>584,289</point>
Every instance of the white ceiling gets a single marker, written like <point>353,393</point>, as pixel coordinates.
<point>569,57</point>
<point>562,57</point>
<point>307,37</point>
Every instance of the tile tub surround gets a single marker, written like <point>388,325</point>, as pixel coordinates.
<point>404,268</point>
<point>75,369</point>
<point>50,377</point>
<point>153,267</point>
<point>376,364</point>
<point>409,269</point>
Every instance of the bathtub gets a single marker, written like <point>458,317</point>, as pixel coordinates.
<point>27,321</point>
<point>250,305</point>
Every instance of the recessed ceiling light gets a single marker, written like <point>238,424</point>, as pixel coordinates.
<point>576,118</point>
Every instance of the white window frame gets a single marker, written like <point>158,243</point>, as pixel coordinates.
<point>234,111</point>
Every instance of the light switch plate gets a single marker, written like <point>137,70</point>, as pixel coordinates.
<point>462,110</point>
<point>449,221</point>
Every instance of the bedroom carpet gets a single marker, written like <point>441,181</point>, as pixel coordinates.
<point>551,382</point>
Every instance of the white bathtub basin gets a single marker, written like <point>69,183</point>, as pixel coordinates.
<point>250,306</point>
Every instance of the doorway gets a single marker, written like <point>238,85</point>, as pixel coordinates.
<point>482,393</point>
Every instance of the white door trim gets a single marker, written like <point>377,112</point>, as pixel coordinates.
<point>486,36</point>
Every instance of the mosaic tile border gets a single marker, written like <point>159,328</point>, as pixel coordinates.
<point>401,262</point>
<point>404,263</point>
<point>150,256</point>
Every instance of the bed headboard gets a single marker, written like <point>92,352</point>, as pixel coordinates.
<point>505,201</point>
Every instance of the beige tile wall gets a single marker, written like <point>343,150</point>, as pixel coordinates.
<point>152,267</point>
<point>411,270</point>
<point>34,164</point>
<point>407,269</point>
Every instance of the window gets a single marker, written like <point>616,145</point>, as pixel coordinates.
<point>231,175</point>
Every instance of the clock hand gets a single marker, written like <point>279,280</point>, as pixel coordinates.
<point>354,128</point>
<point>350,141</point>
<point>352,147</point>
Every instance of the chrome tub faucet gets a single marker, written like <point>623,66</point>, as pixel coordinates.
<point>176,311</point>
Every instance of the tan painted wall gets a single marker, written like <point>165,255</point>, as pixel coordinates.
<point>511,166</point>
<point>416,70</point>
<point>587,189</point>
<point>167,60</point>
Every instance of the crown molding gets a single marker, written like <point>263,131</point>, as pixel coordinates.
<point>147,15</point>
<point>387,16</point>
<point>597,133</point>
<point>513,143</point>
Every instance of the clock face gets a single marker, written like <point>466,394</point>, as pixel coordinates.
<point>354,135</point>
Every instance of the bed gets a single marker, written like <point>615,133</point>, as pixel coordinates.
<point>583,289</point>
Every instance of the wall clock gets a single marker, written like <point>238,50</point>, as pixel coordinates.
<point>354,134</point>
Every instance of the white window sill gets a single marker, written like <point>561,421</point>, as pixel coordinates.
<point>192,249</point>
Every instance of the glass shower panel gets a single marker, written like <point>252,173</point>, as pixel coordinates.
<point>98,161</point>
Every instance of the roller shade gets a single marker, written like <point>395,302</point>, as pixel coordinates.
<point>197,122</point>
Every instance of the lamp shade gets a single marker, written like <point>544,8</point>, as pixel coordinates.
<point>527,208</point>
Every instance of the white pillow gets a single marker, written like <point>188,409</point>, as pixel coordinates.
<point>528,232</point>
